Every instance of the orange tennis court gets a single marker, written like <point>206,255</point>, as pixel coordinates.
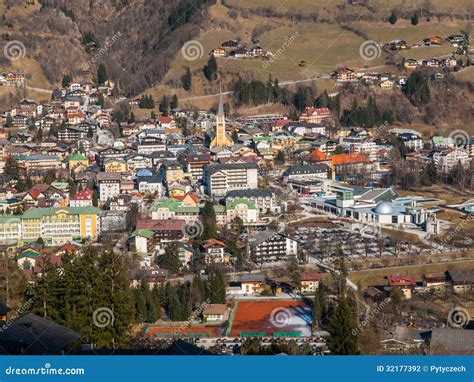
<point>271,317</point>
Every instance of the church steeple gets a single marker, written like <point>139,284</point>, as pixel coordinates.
<point>221,139</point>
<point>220,110</point>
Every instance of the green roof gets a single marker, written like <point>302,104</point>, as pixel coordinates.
<point>29,253</point>
<point>38,213</point>
<point>143,233</point>
<point>231,205</point>
<point>4,219</point>
<point>174,205</point>
<point>60,185</point>
<point>78,157</point>
<point>219,208</point>
<point>264,138</point>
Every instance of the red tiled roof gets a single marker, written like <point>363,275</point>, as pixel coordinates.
<point>34,194</point>
<point>194,197</point>
<point>318,155</point>
<point>83,195</point>
<point>160,225</point>
<point>164,119</point>
<point>68,247</point>
<point>309,111</point>
<point>401,280</point>
<point>282,122</point>
<point>213,242</point>
<point>42,187</point>
<point>53,259</point>
<point>341,159</point>
<point>309,276</point>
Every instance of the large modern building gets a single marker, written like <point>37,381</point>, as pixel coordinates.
<point>372,207</point>
<point>53,225</point>
<point>222,178</point>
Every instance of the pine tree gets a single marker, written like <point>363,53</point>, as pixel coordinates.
<point>186,79</point>
<point>320,308</point>
<point>393,18</point>
<point>417,89</point>
<point>209,221</point>
<point>294,271</point>
<point>210,70</point>
<point>140,305</point>
<point>175,312</point>
<point>414,19</point>
<point>48,300</point>
<point>11,167</point>
<point>102,75</point>
<point>430,174</point>
<point>116,296</point>
<point>343,330</point>
<point>280,158</point>
<point>174,102</point>
<point>170,259</point>
<point>216,287</point>
<point>66,80</point>
<point>164,105</point>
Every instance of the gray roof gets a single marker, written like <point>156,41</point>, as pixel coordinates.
<point>22,336</point>
<point>261,236</point>
<point>256,193</point>
<point>452,341</point>
<point>462,275</point>
<point>107,176</point>
<point>306,169</point>
<point>229,166</point>
<point>157,178</point>
<point>250,277</point>
<point>378,194</point>
<point>406,335</point>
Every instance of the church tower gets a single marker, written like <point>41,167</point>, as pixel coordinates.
<point>221,138</point>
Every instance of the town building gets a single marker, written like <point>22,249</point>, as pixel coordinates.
<point>270,246</point>
<point>222,178</point>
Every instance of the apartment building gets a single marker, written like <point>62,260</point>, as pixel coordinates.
<point>195,164</point>
<point>109,185</point>
<point>39,162</point>
<point>360,145</point>
<point>446,160</point>
<point>222,178</point>
<point>264,199</point>
<point>53,225</point>
<point>270,246</point>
